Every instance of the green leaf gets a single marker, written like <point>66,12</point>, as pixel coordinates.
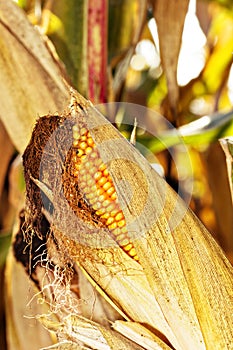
<point>199,132</point>
<point>71,40</point>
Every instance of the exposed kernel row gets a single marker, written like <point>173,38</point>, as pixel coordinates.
<point>97,188</point>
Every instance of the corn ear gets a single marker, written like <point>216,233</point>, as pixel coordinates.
<point>181,284</point>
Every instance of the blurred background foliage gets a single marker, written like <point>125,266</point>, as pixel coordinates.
<point>137,51</point>
<point>174,57</point>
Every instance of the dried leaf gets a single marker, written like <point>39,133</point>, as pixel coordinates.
<point>20,313</point>
<point>228,150</point>
<point>93,305</point>
<point>71,40</point>
<point>16,183</point>
<point>87,333</point>
<point>221,196</point>
<point>140,335</point>
<point>170,16</point>
<point>123,34</point>
<point>30,80</point>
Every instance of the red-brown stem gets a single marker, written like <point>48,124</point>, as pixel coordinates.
<point>97,50</point>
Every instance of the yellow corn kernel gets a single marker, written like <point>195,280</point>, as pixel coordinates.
<point>110,208</point>
<point>105,172</point>
<point>92,171</point>
<point>90,142</point>
<point>100,212</point>
<point>97,206</point>
<point>114,212</point>
<point>109,221</point>
<point>80,153</point>
<point>132,252</point>
<point>88,165</point>
<point>93,188</point>
<point>114,196</point>
<point>107,186</point>
<point>91,196</point>
<point>128,247</point>
<point>102,181</point>
<point>110,191</point>
<point>106,203</point>
<point>83,145</point>
<point>74,158</point>
<point>88,150</point>
<point>89,182</point>
<point>119,216</point>
<point>92,201</point>
<point>102,167</point>
<point>83,157</point>
<point>112,226</point>
<point>121,223</point>
<point>82,184</point>
<point>97,175</point>
<point>99,191</point>
<point>83,131</point>
<point>105,216</point>
<point>76,135</point>
<point>122,242</point>
<point>97,161</point>
<point>102,198</point>
<point>116,231</point>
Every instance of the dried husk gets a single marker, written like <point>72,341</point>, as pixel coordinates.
<point>92,335</point>
<point>20,312</point>
<point>182,288</point>
<point>170,17</point>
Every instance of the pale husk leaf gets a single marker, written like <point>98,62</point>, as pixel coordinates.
<point>20,312</point>
<point>31,83</point>
<point>83,332</point>
<point>140,335</point>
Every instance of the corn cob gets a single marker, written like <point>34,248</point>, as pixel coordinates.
<point>97,188</point>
